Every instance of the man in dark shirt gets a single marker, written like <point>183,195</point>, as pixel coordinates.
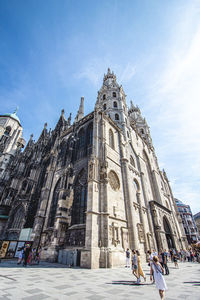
<point>164,255</point>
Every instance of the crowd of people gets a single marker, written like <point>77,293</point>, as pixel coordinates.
<point>29,255</point>
<point>158,263</point>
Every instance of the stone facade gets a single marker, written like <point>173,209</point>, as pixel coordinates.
<point>93,188</point>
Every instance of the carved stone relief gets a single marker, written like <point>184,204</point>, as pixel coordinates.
<point>140,233</point>
<point>113,180</point>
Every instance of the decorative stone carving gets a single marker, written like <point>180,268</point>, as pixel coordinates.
<point>140,232</point>
<point>91,171</point>
<point>113,180</point>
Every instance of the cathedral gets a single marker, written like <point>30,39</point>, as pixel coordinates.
<point>90,189</point>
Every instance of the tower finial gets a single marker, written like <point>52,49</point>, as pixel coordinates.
<point>15,111</point>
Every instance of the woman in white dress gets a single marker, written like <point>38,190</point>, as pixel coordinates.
<point>157,270</point>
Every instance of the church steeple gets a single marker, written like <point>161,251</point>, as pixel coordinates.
<point>112,100</point>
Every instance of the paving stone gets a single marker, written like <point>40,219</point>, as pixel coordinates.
<point>62,287</point>
<point>36,297</point>
<point>33,291</point>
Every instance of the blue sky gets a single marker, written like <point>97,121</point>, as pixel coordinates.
<point>54,52</point>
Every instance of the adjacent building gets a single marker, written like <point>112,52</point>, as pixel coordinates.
<point>92,188</point>
<point>188,221</point>
<point>11,142</point>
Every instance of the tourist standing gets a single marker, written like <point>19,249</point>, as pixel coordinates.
<point>157,270</point>
<point>20,258</point>
<point>164,259</point>
<point>127,258</point>
<point>27,250</point>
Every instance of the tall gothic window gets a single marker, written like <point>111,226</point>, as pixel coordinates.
<point>114,94</point>
<point>104,106</point>
<point>111,139</point>
<point>81,144</point>
<point>54,204</point>
<point>80,199</point>
<point>116,117</point>
<point>18,218</point>
<point>115,104</point>
<point>89,138</point>
<point>104,97</point>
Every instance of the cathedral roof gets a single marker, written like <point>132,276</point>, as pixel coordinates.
<point>13,116</point>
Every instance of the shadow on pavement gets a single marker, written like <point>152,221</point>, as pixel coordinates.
<point>122,282</point>
<point>195,283</point>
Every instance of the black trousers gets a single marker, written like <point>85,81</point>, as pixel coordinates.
<point>166,269</point>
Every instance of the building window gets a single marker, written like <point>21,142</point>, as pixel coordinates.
<point>54,204</point>
<point>142,131</point>
<point>80,199</point>
<point>111,139</point>
<point>104,106</point>
<point>81,144</point>
<point>7,131</point>
<point>114,104</point>
<point>18,218</point>
<point>104,97</point>
<point>116,117</point>
<point>127,134</point>
<point>114,94</point>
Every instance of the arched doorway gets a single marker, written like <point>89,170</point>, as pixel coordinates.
<point>168,233</point>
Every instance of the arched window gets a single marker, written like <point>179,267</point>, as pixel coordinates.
<point>132,162</point>
<point>115,104</point>
<point>116,117</point>
<point>54,204</point>
<point>18,218</point>
<point>127,134</point>
<point>7,131</point>
<point>114,94</point>
<point>136,184</point>
<point>111,139</point>
<point>104,97</point>
<point>142,131</point>
<point>80,199</point>
<point>104,106</point>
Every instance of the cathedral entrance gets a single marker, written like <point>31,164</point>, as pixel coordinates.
<point>168,233</point>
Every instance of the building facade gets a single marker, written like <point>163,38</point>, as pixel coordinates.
<point>188,221</point>
<point>93,188</point>
<point>197,222</point>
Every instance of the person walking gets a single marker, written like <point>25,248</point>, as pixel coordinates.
<point>157,270</point>
<point>134,264</point>
<point>127,258</point>
<point>139,269</point>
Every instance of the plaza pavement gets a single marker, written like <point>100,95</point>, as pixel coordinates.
<point>55,281</point>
